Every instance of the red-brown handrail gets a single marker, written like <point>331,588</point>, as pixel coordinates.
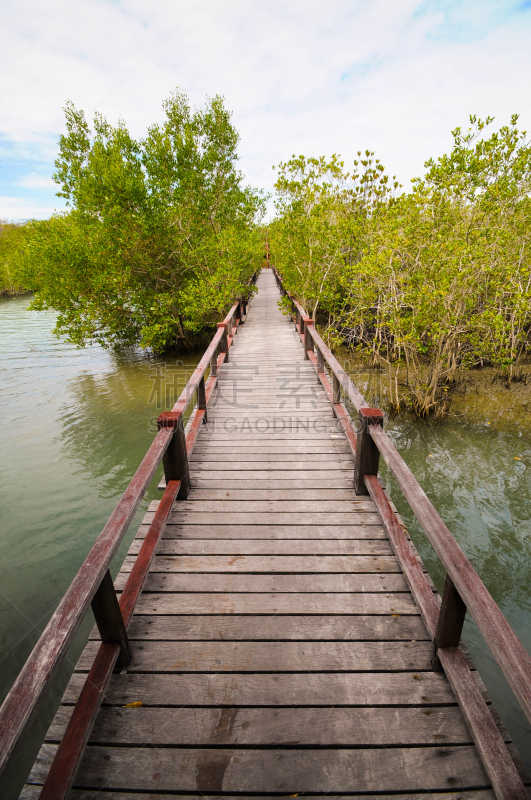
<point>508,651</point>
<point>464,589</point>
<point>92,582</point>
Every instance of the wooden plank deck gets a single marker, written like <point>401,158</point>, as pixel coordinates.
<point>277,648</point>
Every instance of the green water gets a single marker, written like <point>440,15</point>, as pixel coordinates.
<point>75,424</point>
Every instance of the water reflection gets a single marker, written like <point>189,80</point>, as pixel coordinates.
<point>112,419</point>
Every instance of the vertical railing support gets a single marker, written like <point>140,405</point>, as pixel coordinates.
<point>336,390</point>
<point>367,457</point>
<point>308,341</point>
<point>224,343</point>
<point>175,458</point>
<point>214,364</point>
<point>450,624</point>
<point>320,361</point>
<point>110,621</point>
<point>201,399</point>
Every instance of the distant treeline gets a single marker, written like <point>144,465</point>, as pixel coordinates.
<point>427,282</point>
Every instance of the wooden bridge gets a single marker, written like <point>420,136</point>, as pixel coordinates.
<point>276,632</point>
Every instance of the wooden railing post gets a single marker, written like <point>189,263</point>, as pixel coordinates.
<point>224,343</point>
<point>201,398</point>
<point>367,457</point>
<point>336,389</point>
<point>175,458</point>
<point>320,361</point>
<point>308,341</point>
<point>214,364</point>
<point>450,623</point>
<point>110,621</point>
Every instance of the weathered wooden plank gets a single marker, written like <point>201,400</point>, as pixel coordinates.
<point>277,603</point>
<point>234,465</point>
<point>272,518</point>
<point>309,478</point>
<point>343,460</point>
<point>294,583</point>
<point>210,436</point>
<point>274,689</point>
<point>268,547</point>
<point>273,656</point>
<point>227,481</point>
<point>281,447</point>
<point>32,793</point>
<point>191,531</point>
<point>240,390</point>
<point>253,407</point>
<point>265,421</point>
<point>298,507</point>
<point>272,494</point>
<point>200,727</point>
<point>286,564</point>
<point>292,770</point>
<point>273,564</point>
<point>234,627</point>
<point>239,394</point>
<point>277,363</point>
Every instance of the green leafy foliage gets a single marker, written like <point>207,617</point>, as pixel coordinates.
<point>429,282</point>
<point>160,236</point>
<point>11,246</point>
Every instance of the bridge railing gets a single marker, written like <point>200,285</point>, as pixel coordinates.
<point>463,590</point>
<point>93,585</point>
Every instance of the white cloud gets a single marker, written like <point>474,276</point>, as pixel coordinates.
<point>300,77</point>
<point>17,209</point>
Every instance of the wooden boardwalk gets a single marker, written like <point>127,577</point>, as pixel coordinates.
<point>277,648</point>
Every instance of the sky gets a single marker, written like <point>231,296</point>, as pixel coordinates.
<point>300,76</point>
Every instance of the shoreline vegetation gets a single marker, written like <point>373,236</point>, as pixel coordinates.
<point>430,287</point>
<point>11,243</point>
<point>483,396</point>
<point>427,284</point>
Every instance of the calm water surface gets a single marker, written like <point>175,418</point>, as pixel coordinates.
<point>75,424</point>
